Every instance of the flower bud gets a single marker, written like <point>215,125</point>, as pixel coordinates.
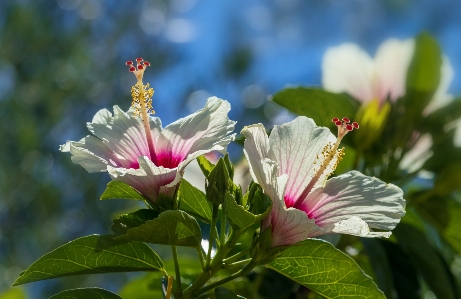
<point>218,183</point>
<point>261,250</point>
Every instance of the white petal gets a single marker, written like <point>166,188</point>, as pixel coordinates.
<point>348,68</point>
<point>295,146</point>
<point>289,226</point>
<point>125,136</point>
<point>379,204</point>
<point>148,179</point>
<point>103,117</point>
<point>256,149</point>
<point>91,153</point>
<point>441,96</point>
<point>202,132</point>
<point>391,65</point>
<point>357,227</point>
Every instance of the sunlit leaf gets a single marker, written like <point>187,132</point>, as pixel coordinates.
<point>193,201</point>
<point>318,104</point>
<point>87,293</point>
<point>120,190</point>
<point>92,255</point>
<point>326,270</point>
<point>205,165</point>
<point>169,228</point>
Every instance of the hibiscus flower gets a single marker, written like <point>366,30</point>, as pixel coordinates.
<point>293,166</point>
<point>134,148</point>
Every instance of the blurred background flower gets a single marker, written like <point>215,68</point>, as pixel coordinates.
<point>61,61</point>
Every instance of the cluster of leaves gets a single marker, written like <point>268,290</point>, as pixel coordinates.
<point>426,242</point>
<point>314,264</point>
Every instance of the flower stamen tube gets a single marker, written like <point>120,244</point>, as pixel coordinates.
<point>142,99</point>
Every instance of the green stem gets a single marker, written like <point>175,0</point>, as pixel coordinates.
<point>200,256</point>
<point>238,264</point>
<point>240,273</point>
<point>214,219</point>
<point>222,236</point>
<point>215,265</point>
<point>236,256</point>
<point>176,269</point>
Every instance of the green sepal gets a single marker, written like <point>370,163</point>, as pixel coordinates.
<point>92,255</point>
<point>372,118</point>
<point>121,190</point>
<point>241,217</point>
<point>126,221</point>
<point>261,250</point>
<point>169,228</point>
<point>86,293</point>
<point>218,183</point>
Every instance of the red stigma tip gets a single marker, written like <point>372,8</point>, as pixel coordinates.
<point>335,120</point>
<point>138,59</point>
<point>338,123</point>
<point>129,62</point>
<point>355,124</point>
<point>146,63</point>
<point>132,69</point>
<point>349,127</point>
<point>140,67</point>
<point>346,120</point>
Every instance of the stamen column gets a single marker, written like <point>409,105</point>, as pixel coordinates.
<point>142,100</point>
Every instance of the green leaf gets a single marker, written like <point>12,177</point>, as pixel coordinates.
<point>13,293</point>
<point>405,277</point>
<point>326,270</point>
<point>92,255</point>
<point>169,228</point>
<point>121,190</point>
<point>422,81</point>
<point>193,201</point>
<point>223,293</point>
<point>87,293</point>
<point>380,264</point>
<point>318,104</point>
<point>424,70</point>
<point>240,218</point>
<point>448,179</point>
<point>127,221</point>
<point>426,259</point>
<point>147,286</point>
<point>205,165</point>
<point>445,215</point>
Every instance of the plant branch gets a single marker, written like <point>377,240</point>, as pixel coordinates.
<point>212,235</point>
<point>176,268</point>
<point>240,273</point>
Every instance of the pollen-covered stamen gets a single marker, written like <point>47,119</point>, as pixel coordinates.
<point>142,98</point>
<point>331,156</point>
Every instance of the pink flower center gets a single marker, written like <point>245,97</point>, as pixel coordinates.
<point>167,159</point>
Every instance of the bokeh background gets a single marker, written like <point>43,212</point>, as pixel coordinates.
<point>61,61</point>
